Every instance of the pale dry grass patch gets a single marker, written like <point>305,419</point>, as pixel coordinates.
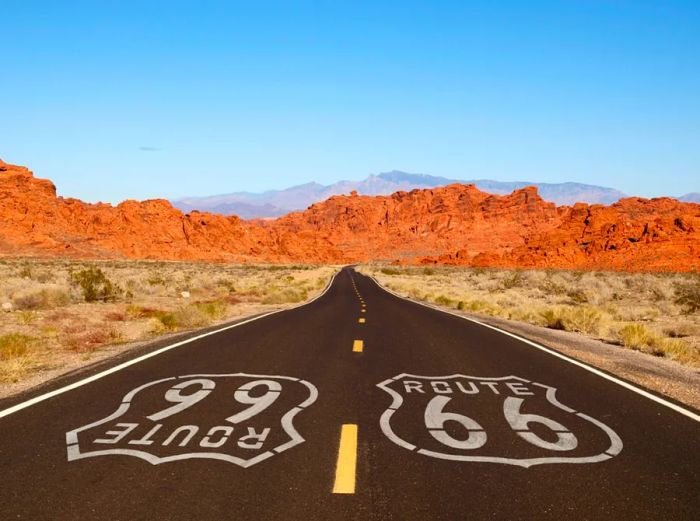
<point>654,313</point>
<point>16,356</point>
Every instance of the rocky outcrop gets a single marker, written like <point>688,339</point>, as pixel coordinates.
<point>37,222</point>
<point>406,225</point>
<point>455,224</point>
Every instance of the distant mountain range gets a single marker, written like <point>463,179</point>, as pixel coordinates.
<point>275,203</point>
<point>693,197</point>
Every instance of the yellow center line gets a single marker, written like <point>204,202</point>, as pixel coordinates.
<point>358,346</point>
<point>361,320</point>
<point>347,460</point>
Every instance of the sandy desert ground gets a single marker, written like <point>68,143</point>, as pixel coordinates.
<point>60,314</point>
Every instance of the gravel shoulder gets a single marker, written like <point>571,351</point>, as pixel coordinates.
<point>661,375</point>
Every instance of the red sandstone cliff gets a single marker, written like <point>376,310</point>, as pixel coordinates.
<point>456,224</point>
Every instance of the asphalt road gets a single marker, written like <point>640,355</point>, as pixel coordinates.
<point>291,417</point>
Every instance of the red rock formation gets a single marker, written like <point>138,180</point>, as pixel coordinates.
<point>36,222</point>
<point>425,222</point>
<point>456,224</point>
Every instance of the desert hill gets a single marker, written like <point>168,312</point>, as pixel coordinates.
<point>455,224</point>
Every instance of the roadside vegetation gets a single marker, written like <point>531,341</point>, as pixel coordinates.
<point>657,314</point>
<point>59,314</point>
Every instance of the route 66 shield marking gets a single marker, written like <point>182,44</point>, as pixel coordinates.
<point>507,420</point>
<point>239,418</point>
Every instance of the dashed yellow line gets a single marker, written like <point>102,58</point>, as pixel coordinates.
<point>358,346</point>
<point>347,460</point>
<point>361,320</point>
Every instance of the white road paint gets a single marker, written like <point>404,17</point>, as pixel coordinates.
<point>630,387</point>
<point>214,438</point>
<point>128,363</point>
<point>434,418</point>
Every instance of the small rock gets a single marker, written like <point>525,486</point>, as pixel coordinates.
<point>7,307</point>
<point>185,294</point>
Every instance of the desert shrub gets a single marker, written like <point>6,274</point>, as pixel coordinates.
<point>213,310</point>
<point>512,281</point>
<point>95,285</point>
<point>525,315</point>
<point>641,338</point>
<point>115,336</point>
<point>428,271</point>
<point>442,300</point>
<point>167,319</point>
<point>413,293</point>
<point>25,272</point>
<point>678,350</point>
<point>229,286</point>
<point>155,280</point>
<point>584,319</point>
<point>578,296</point>
<point>390,271</point>
<point>480,306</point>
<point>191,316</point>
<point>636,336</point>
<point>555,287</point>
<point>14,345</point>
<point>553,318</point>
<point>45,298</point>
<point>688,296</point>
<point>14,369</point>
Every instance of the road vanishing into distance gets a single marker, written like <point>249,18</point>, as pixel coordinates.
<point>358,405</point>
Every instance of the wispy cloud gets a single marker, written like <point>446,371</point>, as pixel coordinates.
<point>149,149</point>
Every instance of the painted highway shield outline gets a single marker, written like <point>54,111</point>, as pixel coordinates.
<point>397,400</point>
<point>73,445</point>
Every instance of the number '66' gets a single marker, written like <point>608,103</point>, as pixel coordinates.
<point>436,417</point>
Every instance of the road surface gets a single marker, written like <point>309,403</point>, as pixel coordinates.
<point>358,405</point>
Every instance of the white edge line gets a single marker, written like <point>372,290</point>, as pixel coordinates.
<point>123,365</point>
<point>622,383</point>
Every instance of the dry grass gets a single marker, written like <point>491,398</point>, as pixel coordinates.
<point>653,313</point>
<point>16,356</point>
<point>64,312</point>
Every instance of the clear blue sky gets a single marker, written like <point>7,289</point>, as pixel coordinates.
<point>163,99</point>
